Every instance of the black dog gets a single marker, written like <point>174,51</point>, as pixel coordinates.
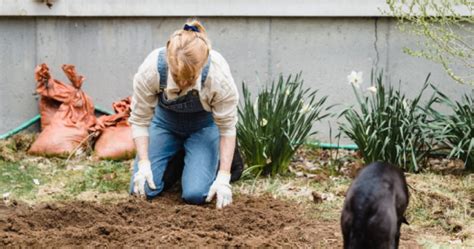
<point>374,208</point>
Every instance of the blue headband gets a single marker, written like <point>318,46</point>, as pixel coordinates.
<point>190,28</point>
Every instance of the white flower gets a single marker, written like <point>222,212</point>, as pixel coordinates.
<point>372,89</point>
<point>36,181</point>
<point>306,108</point>
<point>287,92</point>
<point>355,78</point>
<point>405,104</point>
<point>263,122</point>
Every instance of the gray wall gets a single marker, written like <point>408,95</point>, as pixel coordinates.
<point>109,50</point>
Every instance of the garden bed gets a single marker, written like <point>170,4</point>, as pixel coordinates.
<point>250,222</point>
<point>82,202</point>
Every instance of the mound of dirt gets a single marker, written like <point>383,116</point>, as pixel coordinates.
<point>164,222</point>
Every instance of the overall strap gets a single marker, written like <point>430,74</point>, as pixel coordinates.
<point>163,69</point>
<point>205,70</point>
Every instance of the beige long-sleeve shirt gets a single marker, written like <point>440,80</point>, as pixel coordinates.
<point>219,94</point>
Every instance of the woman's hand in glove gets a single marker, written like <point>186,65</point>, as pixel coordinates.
<point>142,176</point>
<point>221,187</point>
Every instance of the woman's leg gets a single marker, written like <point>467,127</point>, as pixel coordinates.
<point>163,145</point>
<point>200,164</point>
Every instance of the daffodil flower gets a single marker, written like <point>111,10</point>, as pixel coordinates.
<point>405,104</point>
<point>372,89</point>
<point>306,108</point>
<point>355,78</point>
<point>263,122</point>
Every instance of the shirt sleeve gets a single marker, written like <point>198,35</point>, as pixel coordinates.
<point>146,86</point>
<point>225,97</point>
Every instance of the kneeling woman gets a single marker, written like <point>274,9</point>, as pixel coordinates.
<point>184,96</point>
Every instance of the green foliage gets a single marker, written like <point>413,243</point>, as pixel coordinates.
<point>447,26</point>
<point>277,123</point>
<point>106,176</point>
<point>456,130</point>
<point>388,126</point>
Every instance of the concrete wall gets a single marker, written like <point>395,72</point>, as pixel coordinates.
<point>108,51</point>
<point>241,8</point>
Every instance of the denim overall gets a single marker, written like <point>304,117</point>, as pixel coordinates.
<point>179,124</point>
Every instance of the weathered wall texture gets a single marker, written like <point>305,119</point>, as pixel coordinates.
<point>109,50</point>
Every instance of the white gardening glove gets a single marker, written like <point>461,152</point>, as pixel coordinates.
<point>143,175</point>
<point>222,188</point>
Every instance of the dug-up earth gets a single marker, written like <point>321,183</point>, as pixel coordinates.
<point>167,222</point>
<point>84,203</point>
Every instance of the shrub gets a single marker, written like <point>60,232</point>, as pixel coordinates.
<point>277,123</point>
<point>446,28</point>
<point>456,130</point>
<point>388,126</point>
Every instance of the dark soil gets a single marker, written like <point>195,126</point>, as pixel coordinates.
<point>164,222</point>
<point>168,222</point>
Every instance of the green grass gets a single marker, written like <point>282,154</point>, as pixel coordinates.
<point>106,176</point>
<point>17,179</point>
<point>59,181</point>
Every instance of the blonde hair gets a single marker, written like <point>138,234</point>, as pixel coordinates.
<point>187,52</point>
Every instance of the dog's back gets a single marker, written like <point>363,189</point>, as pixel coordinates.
<point>374,207</point>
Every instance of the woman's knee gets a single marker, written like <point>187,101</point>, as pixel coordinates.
<point>194,196</point>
